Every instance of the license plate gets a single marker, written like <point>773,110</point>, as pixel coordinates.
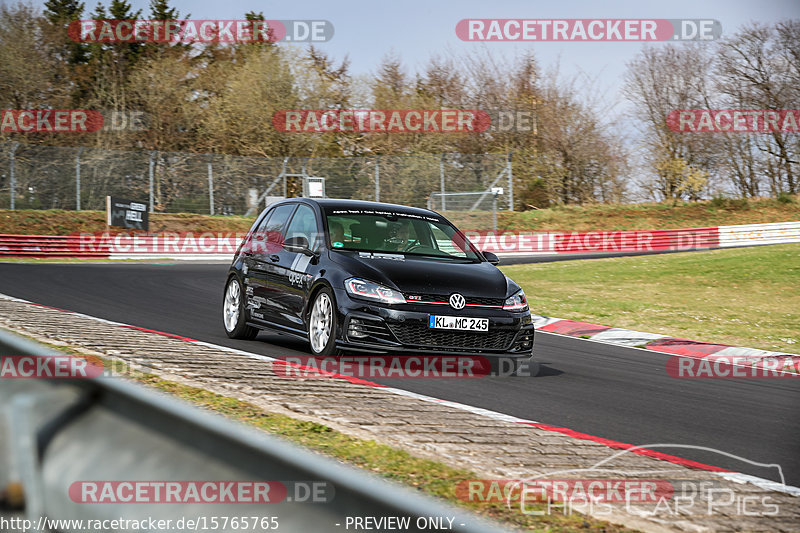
<point>458,322</point>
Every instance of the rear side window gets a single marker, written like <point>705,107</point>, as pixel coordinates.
<point>269,237</point>
<point>277,220</point>
<point>304,224</point>
<point>263,223</point>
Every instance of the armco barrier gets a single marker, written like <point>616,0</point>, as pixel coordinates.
<point>753,234</point>
<point>208,245</point>
<point>56,432</point>
<point>596,241</point>
<point>48,246</point>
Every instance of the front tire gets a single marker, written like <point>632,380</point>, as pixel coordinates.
<point>323,325</point>
<point>233,312</point>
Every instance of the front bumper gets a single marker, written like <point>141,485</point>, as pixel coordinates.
<point>404,328</point>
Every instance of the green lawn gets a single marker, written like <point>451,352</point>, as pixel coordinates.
<point>742,297</point>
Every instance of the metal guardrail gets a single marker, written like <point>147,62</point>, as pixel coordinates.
<point>221,246</point>
<point>49,246</point>
<point>56,432</point>
<point>636,241</point>
<point>757,234</point>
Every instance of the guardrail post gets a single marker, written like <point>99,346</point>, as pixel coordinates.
<point>23,441</point>
<point>12,182</point>
<point>441,179</point>
<point>210,186</point>
<point>494,213</point>
<point>152,162</point>
<point>285,185</point>
<point>78,179</point>
<point>510,183</point>
<point>378,179</point>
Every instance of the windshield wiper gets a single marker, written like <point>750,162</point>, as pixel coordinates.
<point>448,257</point>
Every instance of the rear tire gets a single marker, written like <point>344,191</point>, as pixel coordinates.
<point>323,324</point>
<point>233,312</point>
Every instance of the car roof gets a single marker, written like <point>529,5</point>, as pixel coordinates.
<point>332,203</point>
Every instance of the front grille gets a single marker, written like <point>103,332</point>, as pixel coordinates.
<point>422,335</point>
<point>486,301</point>
<point>445,299</point>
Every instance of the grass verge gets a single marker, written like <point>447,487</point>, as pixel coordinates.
<point>63,222</point>
<point>429,477</point>
<point>741,297</point>
<point>646,216</point>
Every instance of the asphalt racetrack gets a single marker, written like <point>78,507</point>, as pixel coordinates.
<point>613,392</point>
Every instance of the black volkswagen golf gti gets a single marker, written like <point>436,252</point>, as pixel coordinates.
<point>373,277</point>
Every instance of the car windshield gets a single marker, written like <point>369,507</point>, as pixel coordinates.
<point>392,232</point>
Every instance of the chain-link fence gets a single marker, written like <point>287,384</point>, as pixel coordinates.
<point>49,177</point>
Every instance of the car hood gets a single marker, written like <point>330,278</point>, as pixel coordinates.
<point>425,276</point>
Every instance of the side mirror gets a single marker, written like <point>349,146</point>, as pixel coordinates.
<point>298,244</point>
<point>492,258</point>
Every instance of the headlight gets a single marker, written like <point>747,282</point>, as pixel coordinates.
<point>516,302</point>
<point>372,291</point>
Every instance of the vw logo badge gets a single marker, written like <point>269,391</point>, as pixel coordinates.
<point>457,301</point>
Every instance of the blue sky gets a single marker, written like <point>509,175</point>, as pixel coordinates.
<point>366,30</point>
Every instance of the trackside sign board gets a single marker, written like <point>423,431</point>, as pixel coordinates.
<point>126,213</point>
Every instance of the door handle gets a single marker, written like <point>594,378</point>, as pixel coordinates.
<point>275,258</point>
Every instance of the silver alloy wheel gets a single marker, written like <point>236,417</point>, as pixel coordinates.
<point>230,311</point>
<point>319,328</point>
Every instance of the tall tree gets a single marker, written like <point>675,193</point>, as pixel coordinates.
<point>657,82</point>
<point>758,68</point>
<point>60,13</point>
<point>161,10</point>
<point>108,74</point>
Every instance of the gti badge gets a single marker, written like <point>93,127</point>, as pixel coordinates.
<point>457,301</point>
